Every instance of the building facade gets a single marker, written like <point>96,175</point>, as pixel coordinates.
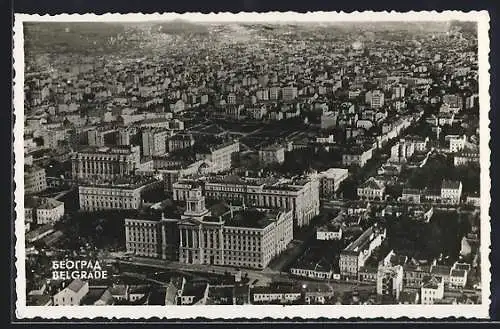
<point>154,141</point>
<point>457,143</point>
<point>458,278</point>
<point>43,210</point>
<point>402,151</point>
<point>376,99</point>
<point>35,180</point>
<point>432,289</point>
<point>300,195</point>
<point>390,281</point>
<point>371,190</point>
<point>357,157</point>
<point>414,275</point>
<point>105,162</point>
<point>221,156</point>
<point>354,256</point>
<point>272,154</point>
<point>72,294</point>
<point>245,237</point>
<point>465,158</point>
<point>329,233</point>
<point>109,196</point>
<point>330,181</point>
<point>411,195</point>
<point>275,294</point>
<point>451,192</point>
<point>143,237</point>
<point>153,237</point>
<point>240,237</point>
<point>289,93</point>
<point>179,142</point>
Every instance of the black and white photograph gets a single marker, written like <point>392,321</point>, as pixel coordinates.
<point>312,165</point>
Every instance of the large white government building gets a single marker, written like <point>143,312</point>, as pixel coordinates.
<point>301,195</point>
<point>240,236</point>
<point>156,237</point>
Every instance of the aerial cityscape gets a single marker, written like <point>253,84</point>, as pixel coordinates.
<point>237,163</point>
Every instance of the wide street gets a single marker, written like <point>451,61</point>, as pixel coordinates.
<point>339,203</point>
<point>264,277</point>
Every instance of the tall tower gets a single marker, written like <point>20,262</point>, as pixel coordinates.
<point>195,205</point>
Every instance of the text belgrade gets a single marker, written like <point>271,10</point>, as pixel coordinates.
<point>78,269</point>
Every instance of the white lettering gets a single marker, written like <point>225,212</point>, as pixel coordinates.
<point>77,269</point>
<point>97,266</point>
<point>69,265</point>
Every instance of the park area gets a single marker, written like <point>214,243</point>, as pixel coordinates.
<point>440,167</point>
<point>440,238</point>
<point>101,230</point>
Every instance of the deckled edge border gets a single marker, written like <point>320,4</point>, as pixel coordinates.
<point>278,312</point>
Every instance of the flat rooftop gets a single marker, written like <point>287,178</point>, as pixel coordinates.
<point>41,203</point>
<point>237,180</point>
<point>272,147</point>
<point>131,182</point>
<point>282,187</point>
<point>250,218</point>
<point>334,172</point>
<point>156,120</point>
<point>115,149</point>
<point>31,169</point>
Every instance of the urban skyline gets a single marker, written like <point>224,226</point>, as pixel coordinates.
<point>253,163</point>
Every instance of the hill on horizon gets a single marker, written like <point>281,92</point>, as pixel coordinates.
<point>180,26</point>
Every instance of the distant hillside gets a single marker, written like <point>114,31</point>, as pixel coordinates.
<point>71,37</point>
<point>180,27</point>
<point>466,27</point>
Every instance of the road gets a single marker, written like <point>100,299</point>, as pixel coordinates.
<point>142,277</point>
<point>58,194</point>
<point>458,293</point>
<point>264,277</point>
<point>62,194</point>
<point>339,203</point>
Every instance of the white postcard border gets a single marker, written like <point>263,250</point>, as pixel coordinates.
<point>257,311</point>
